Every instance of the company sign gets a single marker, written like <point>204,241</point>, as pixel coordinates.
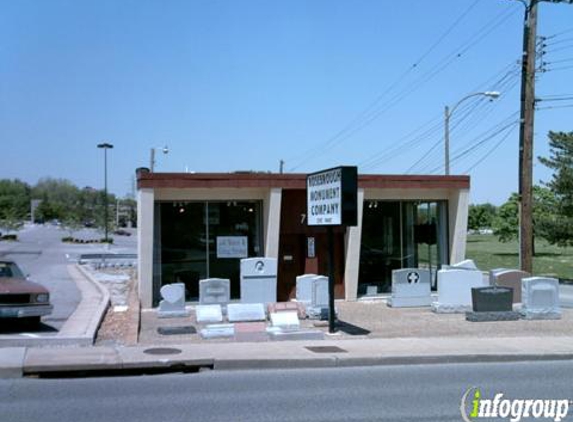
<point>332,197</point>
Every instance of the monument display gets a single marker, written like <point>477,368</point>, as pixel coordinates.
<point>411,287</point>
<point>259,280</point>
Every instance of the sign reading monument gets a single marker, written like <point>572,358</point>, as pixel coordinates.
<point>332,197</point>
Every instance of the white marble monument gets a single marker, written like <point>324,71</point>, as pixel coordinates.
<point>258,280</point>
<point>173,303</point>
<point>455,290</point>
<point>411,287</point>
<point>540,298</point>
<point>214,291</point>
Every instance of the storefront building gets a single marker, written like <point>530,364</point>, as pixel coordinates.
<point>194,226</point>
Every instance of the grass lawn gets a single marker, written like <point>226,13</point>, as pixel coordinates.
<point>488,253</point>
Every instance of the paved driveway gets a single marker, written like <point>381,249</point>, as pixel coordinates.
<point>41,254</point>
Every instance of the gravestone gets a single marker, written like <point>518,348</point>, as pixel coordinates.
<point>492,303</point>
<point>246,312</point>
<point>411,287</point>
<point>454,290</point>
<point>214,331</point>
<point>285,320</point>
<point>214,291</point>
<point>297,307</point>
<point>209,313</point>
<point>304,285</point>
<point>505,277</point>
<point>320,298</point>
<point>258,280</point>
<point>173,303</point>
<point>279,334</point>
<point>540,298</point>
<point>466,264</point>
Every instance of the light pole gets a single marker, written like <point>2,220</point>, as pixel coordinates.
<point>105,147</point>
<point>165,150</point>
<point>448,113</point>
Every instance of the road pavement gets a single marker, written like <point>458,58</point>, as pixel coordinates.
<point>41,254</point>
<point>403,393</point>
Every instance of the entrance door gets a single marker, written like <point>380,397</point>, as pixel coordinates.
<point>303,249</point>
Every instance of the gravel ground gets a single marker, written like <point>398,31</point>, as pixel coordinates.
<point>374,319</point>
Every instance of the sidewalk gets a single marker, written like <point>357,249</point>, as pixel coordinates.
<point>378,336</point>
<point>295,354</point>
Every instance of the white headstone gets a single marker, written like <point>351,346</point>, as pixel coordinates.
<point>320,298</point>
<point>173,303</point>
<point>540,298</point>
<point>218,331</point>
<point>466,264</point>
<point>304,288</point>
<point>285,320</point>
<point>245,312</point>
<point>411,287</point>
<point>258,280</point>
<point>214,291</point>
<point>455,290</point>
<point>209,313</point>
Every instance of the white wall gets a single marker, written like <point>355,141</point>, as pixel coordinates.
<point>353,241</point>
<point>145,211</point>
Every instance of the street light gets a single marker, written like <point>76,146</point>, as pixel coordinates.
<point>448,113</point>
<point>105,147</point>
<point>165,150</point>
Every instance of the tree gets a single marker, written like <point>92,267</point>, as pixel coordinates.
<point>481,216</point>
<point>558,226</point>
<point>506,223</point>
<point>14,199</point>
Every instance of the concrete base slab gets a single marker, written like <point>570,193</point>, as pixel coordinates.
<point>409,302</point>
<point>492,316</point>
<point>11,362</point>
<point>283,335</point>
<point>441,308</point>
<point>542,314</point>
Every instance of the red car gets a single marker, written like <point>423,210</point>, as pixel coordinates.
<point>20,297</point>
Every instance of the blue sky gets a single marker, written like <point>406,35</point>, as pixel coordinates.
<point>240,84</point>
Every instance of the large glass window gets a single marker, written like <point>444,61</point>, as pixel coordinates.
<point>196,240</point>
<point>397,235</point>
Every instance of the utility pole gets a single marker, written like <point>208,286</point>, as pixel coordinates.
<point>281,166</point>
<point>526,137</point>
<point>526,132</point>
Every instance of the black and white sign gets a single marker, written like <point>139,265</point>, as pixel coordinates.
<point>332,197</point>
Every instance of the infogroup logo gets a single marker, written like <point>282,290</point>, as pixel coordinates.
<point>474,407</point>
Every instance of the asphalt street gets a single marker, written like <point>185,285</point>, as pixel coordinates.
<point>388,393</point>
<point>41,254</point>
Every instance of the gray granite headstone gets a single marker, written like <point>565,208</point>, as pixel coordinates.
<point>411,287</point>
<point>279,334</point>
<point>209,313</point>
<point>173,303</point>
<point>540,298</point>
<point>214,291</point>
<point>259,280</point>
<point>320,297</point>
<point>245,312</point>
<point>304,285</point>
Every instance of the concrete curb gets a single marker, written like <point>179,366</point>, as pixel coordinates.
<point>81,327</point>
<point>16,362</point>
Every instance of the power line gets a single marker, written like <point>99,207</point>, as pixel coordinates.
<point>370,114</point>
<point>496,146</point>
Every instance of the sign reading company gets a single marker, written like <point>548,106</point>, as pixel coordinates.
<point>331,197</point>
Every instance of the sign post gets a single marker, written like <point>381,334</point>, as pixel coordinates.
<point>332,201</point>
